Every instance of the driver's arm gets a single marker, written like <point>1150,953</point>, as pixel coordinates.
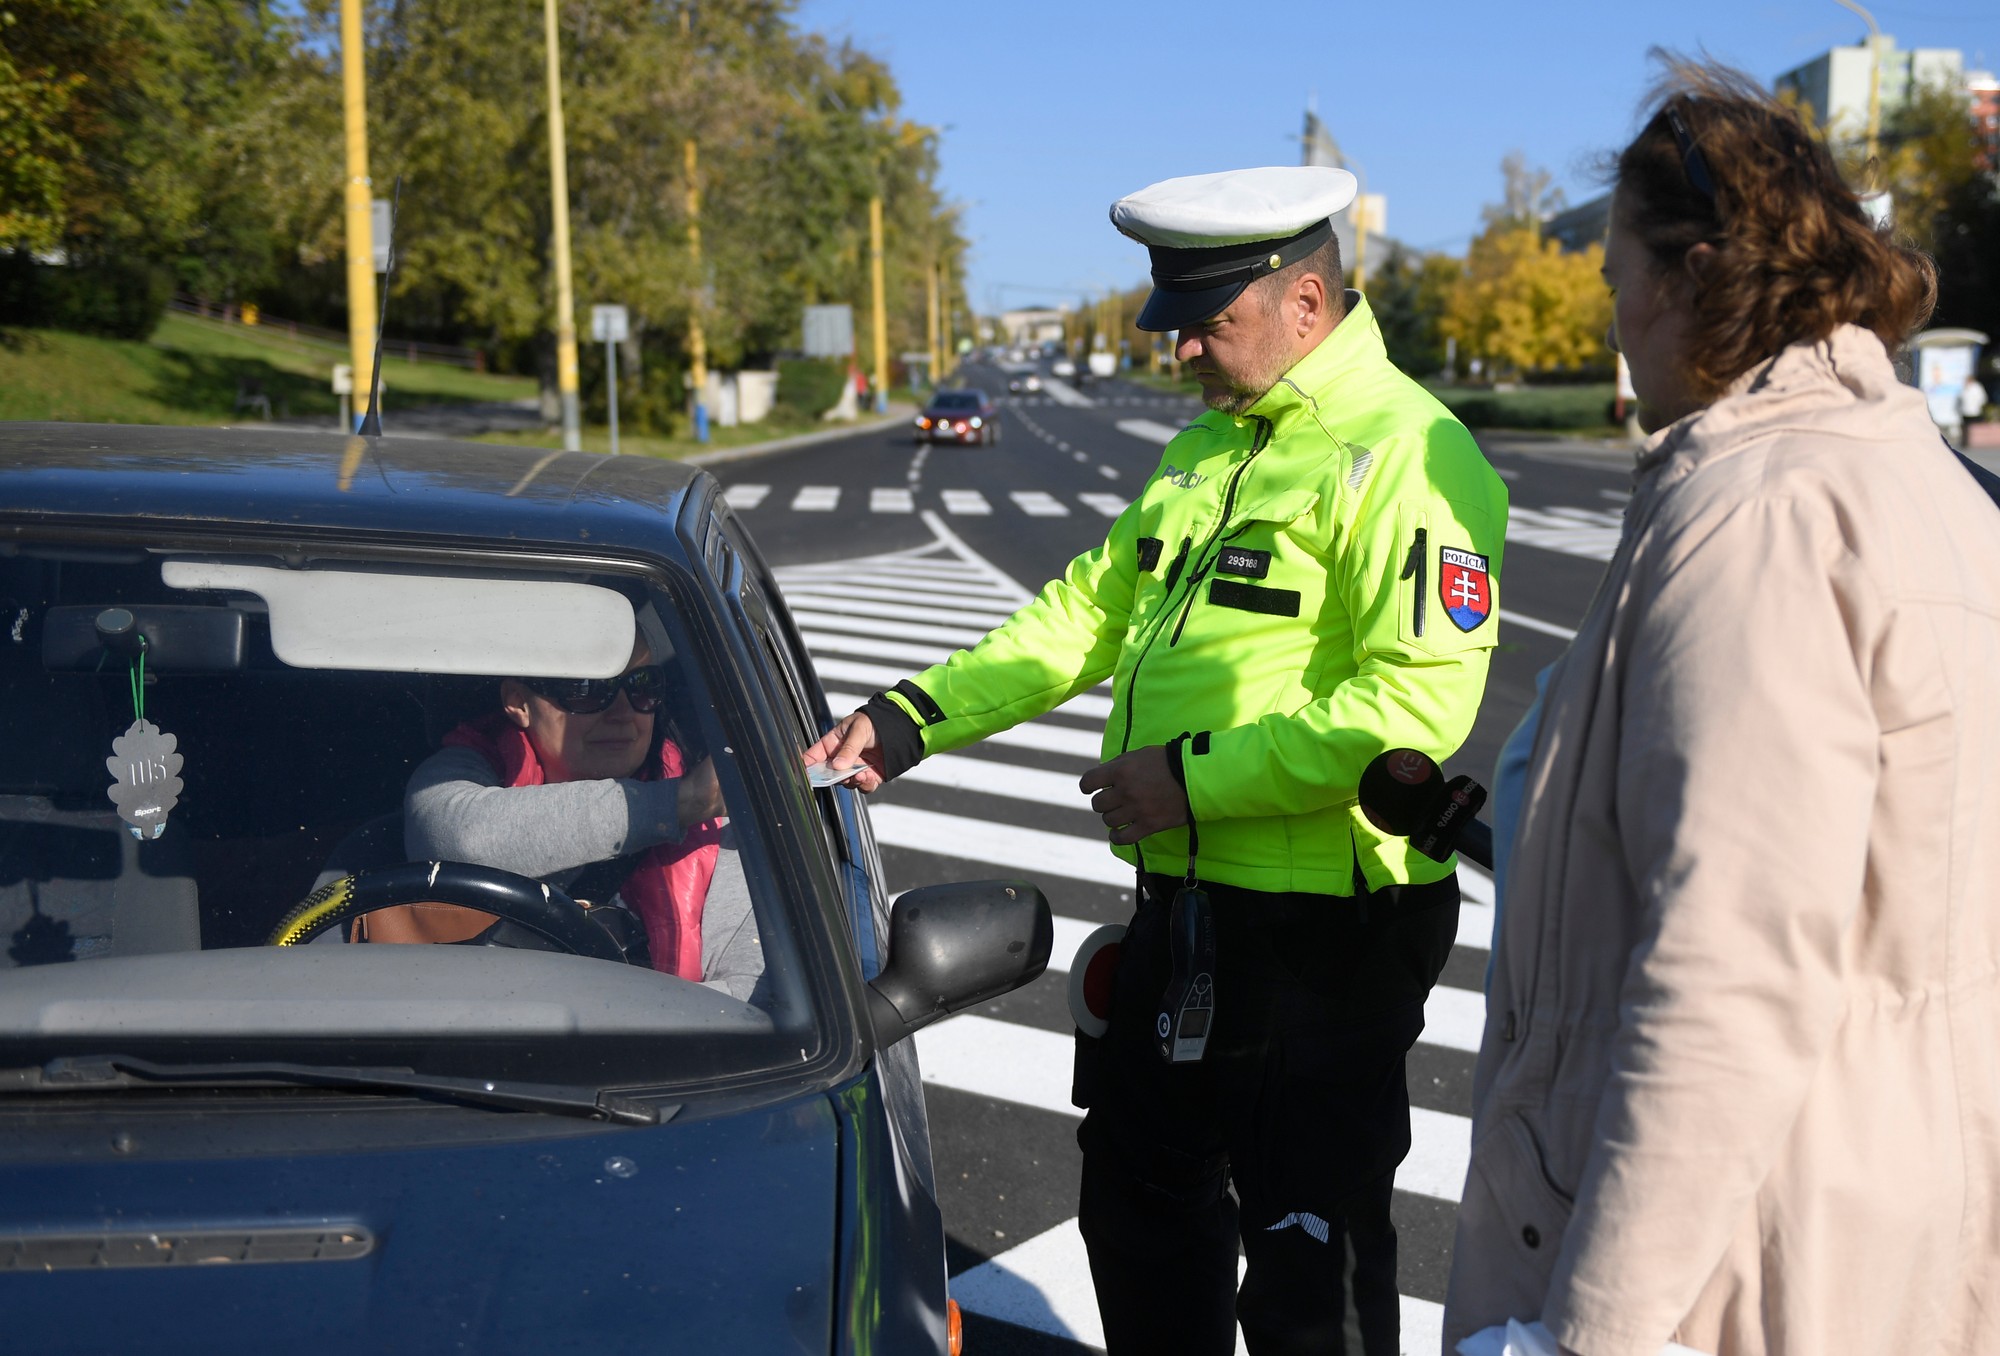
<point>455,810</point>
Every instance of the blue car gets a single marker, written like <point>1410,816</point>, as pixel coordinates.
<point>421,933</point>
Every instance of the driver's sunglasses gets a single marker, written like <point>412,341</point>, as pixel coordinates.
<point>588,696</point>
<point>1693,162</point>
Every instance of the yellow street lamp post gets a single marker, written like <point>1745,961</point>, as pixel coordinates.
<point>359,197</point>
<point>1874,81</point>
<point>572,424</point>
<point>881,317</point>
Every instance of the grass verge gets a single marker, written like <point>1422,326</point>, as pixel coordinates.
<point>192,371</point>
<point>1571,409</point>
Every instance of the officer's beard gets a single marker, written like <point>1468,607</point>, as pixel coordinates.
<point>1254,373</point>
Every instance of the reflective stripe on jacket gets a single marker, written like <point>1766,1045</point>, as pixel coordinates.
<point>1297,588</point>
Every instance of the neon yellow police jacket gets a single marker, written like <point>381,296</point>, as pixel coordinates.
<point>1297,588</point>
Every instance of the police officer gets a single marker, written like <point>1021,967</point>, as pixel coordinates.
<point>1307,579</point>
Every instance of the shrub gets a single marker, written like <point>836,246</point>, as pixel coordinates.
<point>121,298</point>
<point>810,386</point>
<point>1539,407</point>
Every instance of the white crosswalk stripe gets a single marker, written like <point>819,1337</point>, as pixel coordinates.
<point>816,499</point>
<point>745,497</point>
<point>1013,803</point>
<point>966,502</point>
<point>1039,504</point>
<point>888,500</point>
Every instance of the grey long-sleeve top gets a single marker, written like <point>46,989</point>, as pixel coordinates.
<point>456,810</point>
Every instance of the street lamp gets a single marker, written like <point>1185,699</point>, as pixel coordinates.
<point>1874,80</point>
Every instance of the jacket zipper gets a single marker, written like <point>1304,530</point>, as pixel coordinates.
<point>1228,505</point>
<point>1416,565</point>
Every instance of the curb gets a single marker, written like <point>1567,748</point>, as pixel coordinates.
<point>897,412</point>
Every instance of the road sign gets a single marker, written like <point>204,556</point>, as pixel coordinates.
<point>829,331</point>
<point>379,230</point>
<point>608,324</point>
<point>343,379</point>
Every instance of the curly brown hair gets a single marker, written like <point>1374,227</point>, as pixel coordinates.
<point>1795,254</point>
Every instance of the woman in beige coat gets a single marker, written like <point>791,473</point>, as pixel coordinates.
<point>1740,1082</point>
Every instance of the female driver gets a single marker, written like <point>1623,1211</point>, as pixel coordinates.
<point>1740,1082</point>
<point>571,783</point>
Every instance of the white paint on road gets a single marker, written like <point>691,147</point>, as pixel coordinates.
<point>1031,1067</point>
<point>1148,431</point>
<point>884,500</point>
<point>743,498</point>
<point>1028,851</point>
<point>966,502</point>
<point>1063,393</point>
<point>1039,504</point>
<point>869,626</point>
<point>1110,505</point>
<point>816,499</point>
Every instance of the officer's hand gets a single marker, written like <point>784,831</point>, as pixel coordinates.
<point>1136,794</point>
<point>700,796</point>
<point>847,743</point>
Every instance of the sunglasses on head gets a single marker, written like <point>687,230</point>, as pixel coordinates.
<point>643,688</point>
<point>1693,163</point>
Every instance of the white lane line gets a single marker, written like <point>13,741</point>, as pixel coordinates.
<point>1031,1067</point>
<point>1536,623</point>
<point>1083,706</point>
<point>828,621</point>
<point>744,497</point>
<point>1148,431</point>
<point>1110,505</point>
<point>1062,446</point>
<point>1039,504</point>
<point>922,656</point>
<point>1044,1285</point>
<point>1035,852</point>
<point>1063,393</point>
<point>1085,744</point>
<point>966,502</point>
<point>828,600</point>
<point>906,591</point>
<point>1080,456</point>
<point>888,500</point>
<point>1000,779</point>
<point>1108,472</point>
<point>816,499</point>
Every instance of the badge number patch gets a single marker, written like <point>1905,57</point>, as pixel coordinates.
<point>1465,587</point>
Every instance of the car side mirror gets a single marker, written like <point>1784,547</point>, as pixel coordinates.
<point>951,946</point>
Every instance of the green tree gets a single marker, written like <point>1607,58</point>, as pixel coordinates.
<point>1408,293</point>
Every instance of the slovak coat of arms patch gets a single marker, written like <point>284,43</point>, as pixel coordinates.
<point>1465,587</point>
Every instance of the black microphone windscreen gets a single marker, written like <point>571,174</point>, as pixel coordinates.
<point>1397,790</point>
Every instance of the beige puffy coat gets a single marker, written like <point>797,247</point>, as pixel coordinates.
<point>1740,1081</point>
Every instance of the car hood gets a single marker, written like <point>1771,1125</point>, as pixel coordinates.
<point>718,1235</point>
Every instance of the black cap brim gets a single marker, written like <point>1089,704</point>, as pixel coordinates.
<point>1166,310</point>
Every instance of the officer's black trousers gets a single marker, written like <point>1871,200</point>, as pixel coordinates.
<point>1300,1104</point>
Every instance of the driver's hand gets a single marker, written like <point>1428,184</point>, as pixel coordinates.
<point>700,796</point>
<point>849,742</point>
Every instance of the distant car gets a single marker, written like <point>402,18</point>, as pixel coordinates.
<point>229,1127</point>
<point>963,416</point>
<point>1063,368</point>
<point>1025,383</point>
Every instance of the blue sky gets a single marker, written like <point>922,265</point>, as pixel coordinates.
<point>1050,111</point>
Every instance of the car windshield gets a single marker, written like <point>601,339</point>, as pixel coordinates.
<point>955,400</point>
<point>266,808</point>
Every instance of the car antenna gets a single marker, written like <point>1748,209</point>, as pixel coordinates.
<point>371,423</point>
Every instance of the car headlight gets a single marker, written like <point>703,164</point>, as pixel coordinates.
<point>976,421</point>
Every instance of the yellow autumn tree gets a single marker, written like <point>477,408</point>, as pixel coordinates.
<point>1524,304</point>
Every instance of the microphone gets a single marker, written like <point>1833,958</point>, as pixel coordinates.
<point>1404,792</point>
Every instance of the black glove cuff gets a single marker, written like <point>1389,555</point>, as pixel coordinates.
<point>899,737</point>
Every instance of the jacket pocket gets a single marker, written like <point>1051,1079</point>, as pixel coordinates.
<point>1539,1208</point>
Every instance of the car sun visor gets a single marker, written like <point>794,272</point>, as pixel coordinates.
<point>177,638</point>
<point>399,621</point>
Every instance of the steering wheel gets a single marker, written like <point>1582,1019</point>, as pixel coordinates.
<point>542,909</point>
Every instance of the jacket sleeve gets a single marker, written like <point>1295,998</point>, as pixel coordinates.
<point>1063,642</point>
<point>1747,767</point>
<point>1418,673</point>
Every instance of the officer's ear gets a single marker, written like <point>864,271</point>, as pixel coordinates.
<point>1306,305</point>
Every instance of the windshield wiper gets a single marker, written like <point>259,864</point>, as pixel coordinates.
<point>87,1073</point>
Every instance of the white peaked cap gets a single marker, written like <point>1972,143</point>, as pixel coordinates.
<point>1234,207</point>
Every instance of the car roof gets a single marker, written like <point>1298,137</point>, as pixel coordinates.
<point>328,483</point>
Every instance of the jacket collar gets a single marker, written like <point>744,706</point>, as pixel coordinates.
<point>1354,345</point>
<point>1845,378</point>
